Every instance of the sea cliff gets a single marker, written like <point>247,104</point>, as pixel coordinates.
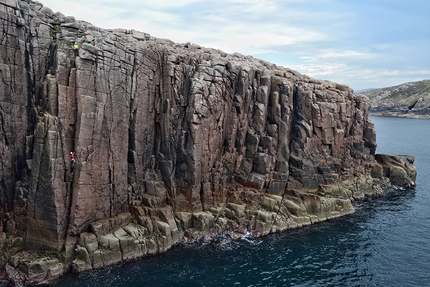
<point>174,143</point>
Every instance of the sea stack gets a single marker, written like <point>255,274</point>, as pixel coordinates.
<point>172,143</point>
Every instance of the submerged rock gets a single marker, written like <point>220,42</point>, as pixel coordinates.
<point>399,169</point>
<point>173,143</point>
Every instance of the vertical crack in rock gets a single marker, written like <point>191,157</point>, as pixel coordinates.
<point>131,171</point>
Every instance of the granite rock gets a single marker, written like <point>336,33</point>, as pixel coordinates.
<point>173,143</point>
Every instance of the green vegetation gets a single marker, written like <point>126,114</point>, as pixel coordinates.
<point>65,45</point>
<point>55,29</point>
<point>403,95</point>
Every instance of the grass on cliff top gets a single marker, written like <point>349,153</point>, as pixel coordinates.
<point>404,94</point>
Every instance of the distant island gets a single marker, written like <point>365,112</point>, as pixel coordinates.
<point>411,100</point>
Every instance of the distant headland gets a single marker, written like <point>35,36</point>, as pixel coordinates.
<point>409,100</point>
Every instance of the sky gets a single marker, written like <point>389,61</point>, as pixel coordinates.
<point>364,43</point>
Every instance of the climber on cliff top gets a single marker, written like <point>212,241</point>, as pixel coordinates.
<point>72,159</point>
<point>76,49</point>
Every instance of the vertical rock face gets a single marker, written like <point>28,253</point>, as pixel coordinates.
<point>168,138</point>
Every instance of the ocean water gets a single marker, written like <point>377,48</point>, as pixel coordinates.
<point>386,242</point>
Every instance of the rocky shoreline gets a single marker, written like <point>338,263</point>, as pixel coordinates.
<point>153,230</point>
<point>171,142</point>
<point>401,113</point>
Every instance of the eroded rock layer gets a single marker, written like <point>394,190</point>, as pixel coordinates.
<point>174,143</point>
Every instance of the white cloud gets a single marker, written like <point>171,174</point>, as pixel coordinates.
<point>419,72</point>
<point>345,54</point>
<point>344,42</point>
<point>390,73</point>
<point>330,63</point>
<point>248,27</point>
<point>129,4</point>
<point>251,39</point>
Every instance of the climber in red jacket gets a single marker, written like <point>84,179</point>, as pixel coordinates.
<point>72,160</point>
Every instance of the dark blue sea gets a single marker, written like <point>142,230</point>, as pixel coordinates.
<point>386,242</point>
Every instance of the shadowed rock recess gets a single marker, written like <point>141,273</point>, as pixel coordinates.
<point>174,143</point>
